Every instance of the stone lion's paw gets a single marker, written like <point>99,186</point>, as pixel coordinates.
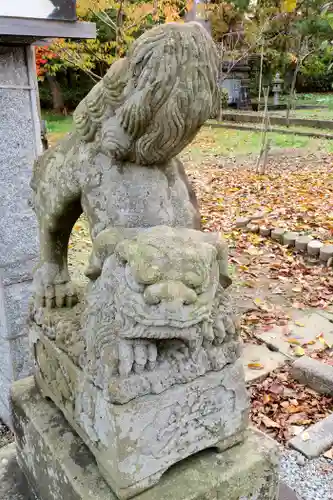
<point>52,288</point>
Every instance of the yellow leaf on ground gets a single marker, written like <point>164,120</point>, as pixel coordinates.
<point>299,351</point>
<point>255,366</point>
<point>308,342</point>
<point>293,341</point>
<point>298,323</point>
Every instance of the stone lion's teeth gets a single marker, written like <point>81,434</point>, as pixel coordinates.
<point>152,353</point>
<point>138,368</point>
<point>207,331</point>
<point>140,355</point>
<point>126,357</point>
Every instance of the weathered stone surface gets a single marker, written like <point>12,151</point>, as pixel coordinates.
<point>301,244</point>
<point>317,439</point>
<point>255,353</point>
<point>60,466</point>
<point>158,437</point>
<point>265,231</point>
<point>326,252</point>
<point>145,368</point>
<point>19,146</point>
<point>242,221</point>
<point>315,374</point>
<point>134,125</point>
<point>277,234</point>
<point>306,329</point>
<point>314,247</point>
<point>289,238</point>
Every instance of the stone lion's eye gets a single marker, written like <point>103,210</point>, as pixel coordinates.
<point>131,281</point>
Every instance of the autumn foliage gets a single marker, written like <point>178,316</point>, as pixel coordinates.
<point>44,58</point>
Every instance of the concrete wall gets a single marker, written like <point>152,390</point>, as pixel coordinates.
<point>19,146</point>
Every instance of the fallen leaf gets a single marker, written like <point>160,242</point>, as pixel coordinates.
<point>308,342</point>
<point>298,351</point>
<point>299,323</point>
<point>293,341</point>
<point>269,423</point>
<point>328,454</point>
<point>266,398</point>
<point>305,436</point>
<point>255,366</point>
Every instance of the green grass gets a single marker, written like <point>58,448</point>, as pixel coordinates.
<point>57,124</point>
<point>221,142</point>
<point>232,143</point>
<point>325,99</point>
<point>310,114</point>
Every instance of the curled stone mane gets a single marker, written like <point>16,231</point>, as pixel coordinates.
<point>151,104</point>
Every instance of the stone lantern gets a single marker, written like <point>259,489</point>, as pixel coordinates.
<point>277,88</point>
<point>21,24</point>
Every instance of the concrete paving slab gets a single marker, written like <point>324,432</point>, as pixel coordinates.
<point>306,328</point>
<point>254,353</point>
<point>317,439</point>
<point>314,373</point>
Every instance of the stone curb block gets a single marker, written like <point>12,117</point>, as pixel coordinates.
<point>314,374</point>
<point>314,247</point>
<point>252,228</point>
<point>277,234</point>
<point>326,252</point>
<point>317,439</point>
<point>289,238</point>
<point>242,222</point>
<point>302,242</point>
<point>265,231</point>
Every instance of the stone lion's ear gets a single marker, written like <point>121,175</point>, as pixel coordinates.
<point>126,249</point>
<point>107,241</point>
<point>217,240</point>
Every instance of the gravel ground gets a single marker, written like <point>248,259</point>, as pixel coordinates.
<point>6,435</point>
<point>311,479</point>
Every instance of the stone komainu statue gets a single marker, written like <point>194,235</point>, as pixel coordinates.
<point>145,367</point>
<point>120,165</point>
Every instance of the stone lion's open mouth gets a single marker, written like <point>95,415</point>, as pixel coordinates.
<point>151,359</point>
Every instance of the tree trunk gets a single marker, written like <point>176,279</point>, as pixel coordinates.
<point>57,97</point>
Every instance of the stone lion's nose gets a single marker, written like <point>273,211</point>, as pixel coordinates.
<point>170,291</point>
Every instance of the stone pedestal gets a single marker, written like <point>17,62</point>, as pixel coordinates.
<point>59,466</point>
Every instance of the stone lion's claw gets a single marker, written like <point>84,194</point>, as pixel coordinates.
<point>53,288</point>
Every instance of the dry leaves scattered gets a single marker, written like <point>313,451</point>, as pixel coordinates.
<point>283,408</point>
<point>297,194</point>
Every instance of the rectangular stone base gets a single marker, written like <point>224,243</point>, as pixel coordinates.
<point>59,466</point>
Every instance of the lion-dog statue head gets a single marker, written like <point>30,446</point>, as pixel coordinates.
<point>151,104</point>
<point>156,309</point>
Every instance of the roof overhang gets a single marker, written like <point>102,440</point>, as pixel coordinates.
<point>26,31</point>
